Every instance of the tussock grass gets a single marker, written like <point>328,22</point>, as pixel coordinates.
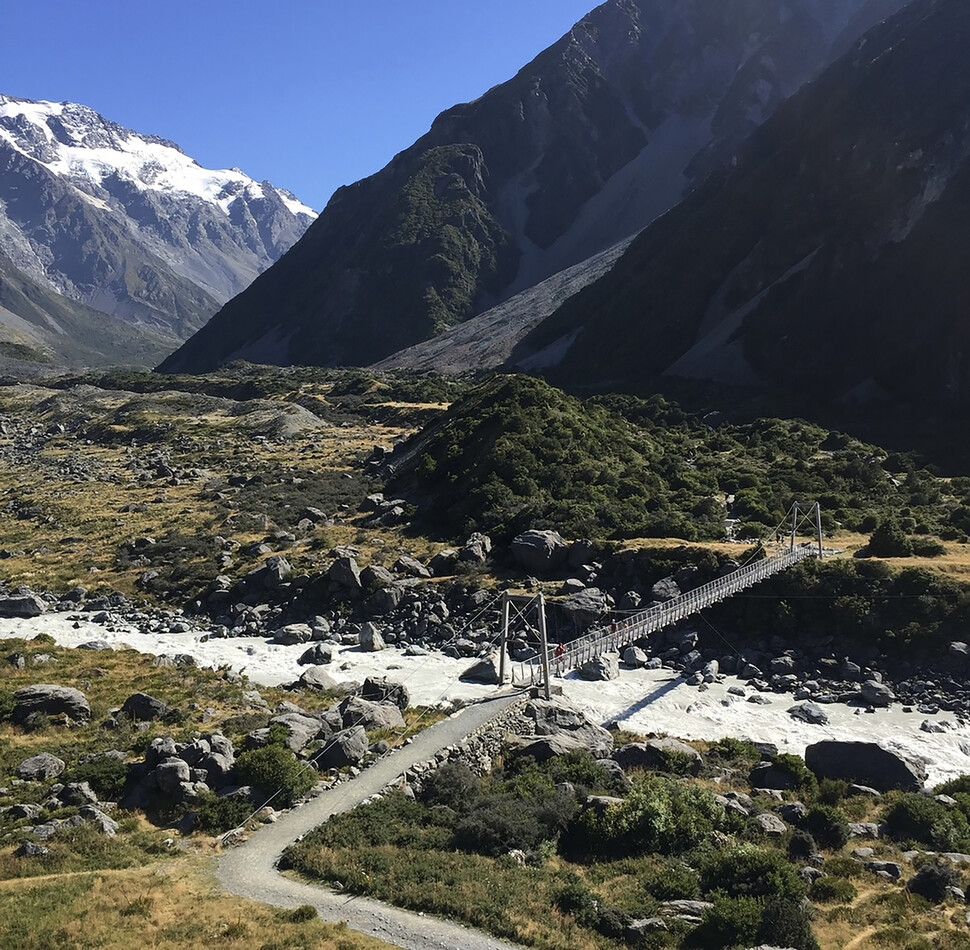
<point>173,906</point>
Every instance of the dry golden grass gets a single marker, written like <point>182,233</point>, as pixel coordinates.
<point>172,906</point>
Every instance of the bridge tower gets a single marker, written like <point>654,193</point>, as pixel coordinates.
<point>525,606</point>
<point>802,515</point>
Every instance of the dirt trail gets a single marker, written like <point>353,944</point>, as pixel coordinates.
<point>249,870</point>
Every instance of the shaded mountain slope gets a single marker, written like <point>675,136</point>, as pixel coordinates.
<point>831,260</point>
<point>583,148</point>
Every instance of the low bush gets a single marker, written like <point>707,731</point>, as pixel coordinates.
<point>734,750</point>
<point>749,871</point>
<point>277,773</point>
<point>932,880</point>
<point>830,890</point>
<point>731,922</point>
<point>800,773</point>
<point>453,785</point>
<point>105,774</point>
<point>671,882</point>
<point>924,820</point>
<point>827,826</point>
<point>801,846</point>
<point>216,815</point>
<point>786,923</point>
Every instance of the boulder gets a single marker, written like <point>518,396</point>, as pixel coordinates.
<point>77,793</point>
<point>383,690</point>
<point>293,634</point>
<point>557,716</point>
<point>487,671</point>
<point>22,606</point>
<point>876,694</point>
<point>444,563</point>
<point>356,711</point>
<point>655,755</point>
<point>50,701</point>
<point>371,640</point>
<point>601,668</point>
<point>345,748</point>
<point>810,713</point>
<point>345,573</point>
<point>302,729</point>
<point>543,748</point>
<point>540,552</point>
<point>411,567</point>
<point>318,655</point>
<point>40,768</point>
<point>144,708</point>
<point>383,601</point>
<point>635,657</point>
<point>865,763</point>
<point>30,849</point>
<point>770,824</point>
<point>317,678</point>
<point>476,549</point>
<point>376,576</point>
<point>665,589</point>
<point>170,774</point>
<point>770,776</point>
<point>102,823</point>
<point>585,607</point>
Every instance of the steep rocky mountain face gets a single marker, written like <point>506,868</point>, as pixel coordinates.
<point>831,261</point>
<point>127,224</point>
<point>590,142</point>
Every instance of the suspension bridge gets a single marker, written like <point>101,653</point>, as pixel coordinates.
<point>624,633</point>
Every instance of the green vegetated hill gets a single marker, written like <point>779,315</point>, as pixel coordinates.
<point>829,261</point>
<point>516,453</point>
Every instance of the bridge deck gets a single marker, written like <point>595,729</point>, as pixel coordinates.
<point>642,624</point>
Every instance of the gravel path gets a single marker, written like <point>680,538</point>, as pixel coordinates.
<point>249,870</point>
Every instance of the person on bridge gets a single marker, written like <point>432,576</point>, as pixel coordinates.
<point>560,651</point>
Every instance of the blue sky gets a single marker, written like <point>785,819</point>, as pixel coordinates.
<point>311,94</point>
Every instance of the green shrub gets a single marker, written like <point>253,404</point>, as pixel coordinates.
<point>661,815</point>
<point>216,815</point>
<point>453,785</point>
<point>831,791</point>
<point>843,867</point>
<point>786,923</point>
<point>6,705</point>
<point>671,882</point>
<point>827,826</point>
<point>303,913</point>
<point>927,547</point>
<point>830,890</point>
<point>923,819</point>
<point>955,785</point>
<point>731,922</point>
<point>749,871</point>
<point>889,540</point>
<point>734,750</point>
<point>106,775</point>
<point>801,775</point>
<point>277,773</point>
<point>932,880</point>
<point>801,846</point>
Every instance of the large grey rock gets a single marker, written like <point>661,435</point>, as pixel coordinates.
<point>770,824</point>
<point>556,716</point>
<point>50,701</point>
<point>383,690</point>
<point>170,774</point>
<point>655,754</point>
<point>543,748</point>
<point>476,549</point>
<point>318,655</point>
<point>601,668</point>
<point>635,657</point>
<point>144,708</point>
<point>540,552</point>
<point>586,607</point>
<point>865,763</point>
<point>104,824</point>
<point>23,606</point>
<point>411,567</point>
<point>40,768</point>
<point>317,678</point>
<point>444,563</point>
<point>293,634</point>
<point>78,793</point>
<point>810,713</point>
<point>371,640</point>
<point>345,573</point>
<point>876,694</point>
<point>345,748</point>
<point>356,711</point>
<point>487,671</point>
<point>665,589</point>
<point>301,729</point>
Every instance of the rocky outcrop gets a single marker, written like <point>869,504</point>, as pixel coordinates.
<point>540,552</point>
<point>50,701</point>
<point>40,767</point>
<point>865,763</point>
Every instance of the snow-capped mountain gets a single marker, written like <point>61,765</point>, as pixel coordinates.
<point>127,223</point>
